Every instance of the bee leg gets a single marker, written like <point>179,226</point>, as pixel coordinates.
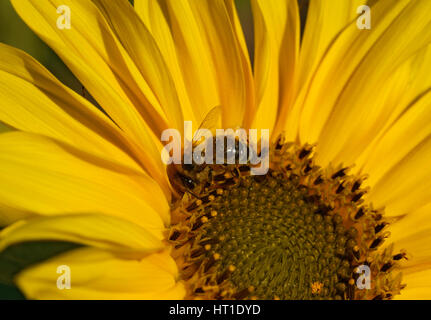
<point>193,194</point>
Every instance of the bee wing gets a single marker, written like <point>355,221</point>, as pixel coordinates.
<point>212,121</point>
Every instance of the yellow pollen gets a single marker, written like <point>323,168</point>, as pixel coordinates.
<point>231,268</point>
<point>316,287</point>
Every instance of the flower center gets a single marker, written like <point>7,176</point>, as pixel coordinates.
<point>269,232</point>
<point>298,232</point>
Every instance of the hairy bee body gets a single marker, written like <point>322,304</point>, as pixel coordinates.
<point>199,179</point>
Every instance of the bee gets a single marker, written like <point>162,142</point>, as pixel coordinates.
<point>197,179</point>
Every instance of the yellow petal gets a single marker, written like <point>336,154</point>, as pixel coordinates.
<point>210,57</point>
<point>236,23</point>
<point>418,286</point>
<point>246,63</point>
<point>191,50</point>
<point>45,177</point>
<point>358,62</point>
<point>407,185</point>
<point>33,100</point>
<point>98,274</point>
<point>406,133</point>
<point>143,50</point>
<point>99,231</point>
<point>412,233</point>
<point>188,51</point>
<point>276,52</point>
<point>232,75</point>
<point>93,53</point>
<point>411,111</point>
<point>400,104</point>
<point>9,215</point>
<point>325,20</point>
<point>155,21</point>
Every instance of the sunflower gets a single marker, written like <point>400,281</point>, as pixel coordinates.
<point>349,184</point>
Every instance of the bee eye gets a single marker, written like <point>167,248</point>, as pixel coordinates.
<point>188,182</point>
